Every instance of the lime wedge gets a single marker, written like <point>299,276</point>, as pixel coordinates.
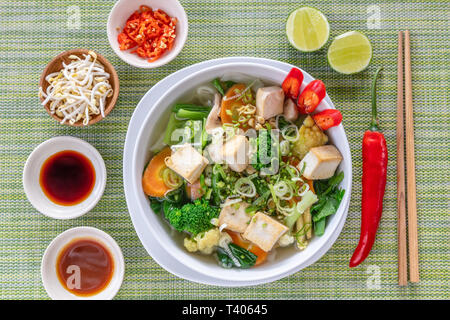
<point>307,29</point>
<point>350,52</point>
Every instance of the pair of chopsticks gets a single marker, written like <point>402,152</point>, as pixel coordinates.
<point>410,169</point>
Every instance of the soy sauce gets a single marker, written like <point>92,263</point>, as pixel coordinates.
<point>67,177</point>
<point>84,267</point>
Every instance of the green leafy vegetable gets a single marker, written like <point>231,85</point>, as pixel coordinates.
<point>330,197</point>
<point>319,227</point>
<point>222,183</point>
<point>224,259</point>
<point>222,86</point>
<point>218,86</point>
<point>173,125</point>
<point>191,111</point>
<point>245,258</point>
<point>263,192</point>
<point>190,107</point>
<point>191,115</point>
<point>155,205</point>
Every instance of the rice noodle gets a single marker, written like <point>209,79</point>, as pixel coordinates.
<point>205,95</point>
<point>237,77</point>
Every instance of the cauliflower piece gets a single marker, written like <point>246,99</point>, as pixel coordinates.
<point>190,245</point>
<point>208,240</point>
<point>203,242</point>
<point>310,136</point>
<point>286,240</point>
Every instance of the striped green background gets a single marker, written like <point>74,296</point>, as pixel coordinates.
<point>32,32</point>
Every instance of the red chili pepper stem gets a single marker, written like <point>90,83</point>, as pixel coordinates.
<point>374,123</point>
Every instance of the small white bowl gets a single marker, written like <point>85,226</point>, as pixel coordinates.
<point>33,166</point>
<point>122,11</point>
<point>50,279</point>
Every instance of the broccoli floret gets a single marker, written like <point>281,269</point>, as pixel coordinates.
<point>310,136</point>
<point>194,217</point>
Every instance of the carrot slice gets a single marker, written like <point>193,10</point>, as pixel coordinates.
<point>152,180</point>
<point>229,109</point>
<point>253,248</point>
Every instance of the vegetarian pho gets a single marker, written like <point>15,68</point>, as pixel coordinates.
<point>244,168</point>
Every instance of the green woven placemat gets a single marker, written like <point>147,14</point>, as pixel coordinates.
<point>32,32</point>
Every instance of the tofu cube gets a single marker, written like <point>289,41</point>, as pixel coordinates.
<point>264,231</point>
<point>214,152</point>
<point>187,162</point>
<point>234,216</point>
<point>320,162</point>
<point>269,102</point>
<point>235,153</point>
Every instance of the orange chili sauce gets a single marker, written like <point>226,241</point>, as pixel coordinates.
<point>67,177</point>
<point>95,263</point>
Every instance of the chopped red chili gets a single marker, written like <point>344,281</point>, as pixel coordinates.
<point>328,118</point>
<point>149,33</point>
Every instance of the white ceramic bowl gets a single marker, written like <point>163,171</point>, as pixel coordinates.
<point>50,280</point>
<point>288,260</point>
<point>122,11</point>
<point>32,170</point>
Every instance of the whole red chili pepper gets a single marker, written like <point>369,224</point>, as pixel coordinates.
<point>375,158</point>
<point>311,96</point>
<point>291,85</point>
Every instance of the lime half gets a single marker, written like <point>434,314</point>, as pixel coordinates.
<point>307,29</point>
<point>350,52</point>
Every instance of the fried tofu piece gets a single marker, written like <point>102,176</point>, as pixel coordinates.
<point>264,231</point>
<point>214,152</point>
<point>187,162</point>
<point>269,102</point>
<point>234,216</point>
<point>320,162</point>
<point>235,153</point>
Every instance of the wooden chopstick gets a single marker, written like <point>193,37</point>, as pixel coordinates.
<point>401,206</point>
<point>410,167</point>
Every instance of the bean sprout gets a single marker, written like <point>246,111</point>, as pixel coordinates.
<point>79,90</point>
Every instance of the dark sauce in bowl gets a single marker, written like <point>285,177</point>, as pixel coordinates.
<point>67,177</point>
<point>85,267</point>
